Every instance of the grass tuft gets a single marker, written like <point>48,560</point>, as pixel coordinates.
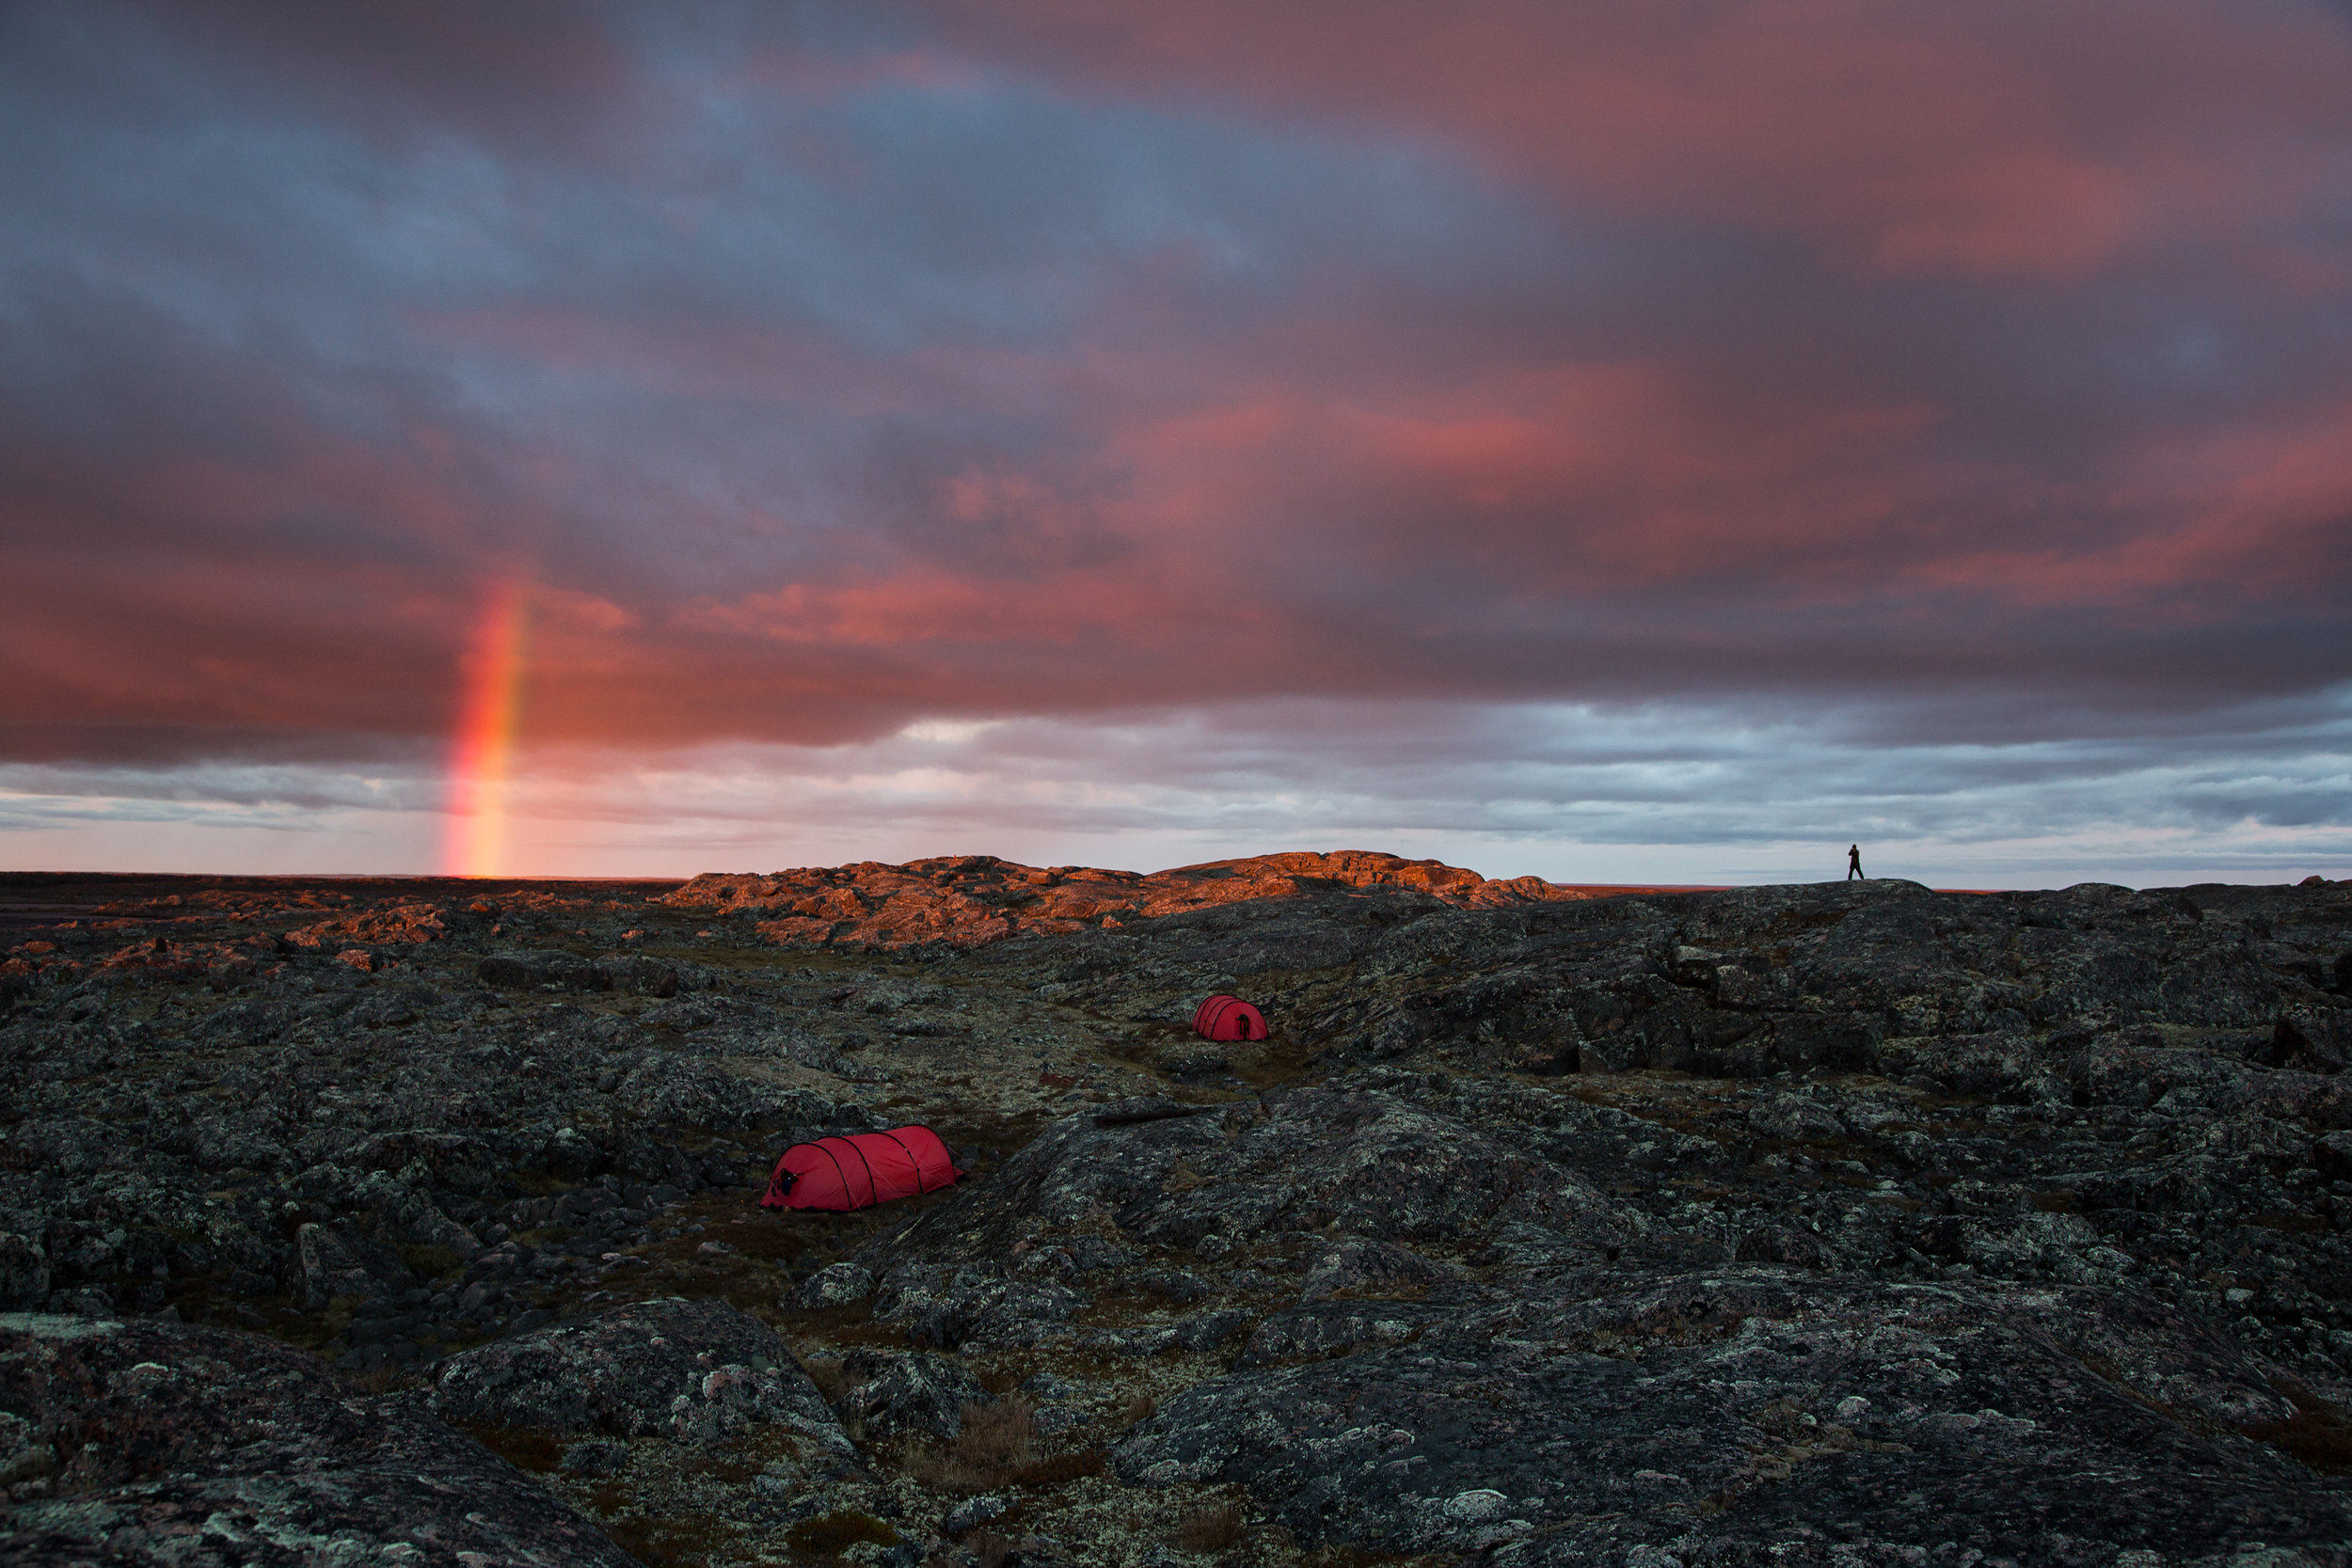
<point>1209,1527</point>
<point>989,1452</point>
<point>2318,1432</point>
<point>1060,1469</point>
<point>836,1533</point>
<point>824,1371</point>
<point>385,1380</point>
<point>431,1260</point>
<point>521,1447</point>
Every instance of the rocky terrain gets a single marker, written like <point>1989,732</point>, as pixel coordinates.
<point>415,1221</point>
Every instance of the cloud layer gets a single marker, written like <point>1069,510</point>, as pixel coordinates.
<point>1957,394</point>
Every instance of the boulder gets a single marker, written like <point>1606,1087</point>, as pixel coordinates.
<point>890,1394</point>
<point>333,1263</point>
<point>2312,1040</point>
<point>836,1285</point>
<point>639,975</point>
<point>547,967</point>
<point>695,1371</point>
<point>1793,1118</point>
<point>1370,1267</point>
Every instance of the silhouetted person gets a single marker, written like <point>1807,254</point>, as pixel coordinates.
<point>1854,862</point>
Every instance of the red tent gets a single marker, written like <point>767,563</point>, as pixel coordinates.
<point>1228,1018</point>
<point>860,1170</point>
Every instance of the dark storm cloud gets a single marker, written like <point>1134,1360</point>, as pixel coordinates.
<point>823,370</point>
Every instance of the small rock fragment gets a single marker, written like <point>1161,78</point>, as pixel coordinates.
<point>836,1285</point>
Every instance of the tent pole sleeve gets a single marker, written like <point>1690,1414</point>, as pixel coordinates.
<point>873,1194</point>
<point>913,1159</point>
<point>820,1146</point>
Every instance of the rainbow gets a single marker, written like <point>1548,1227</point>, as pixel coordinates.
<point>483,751</point>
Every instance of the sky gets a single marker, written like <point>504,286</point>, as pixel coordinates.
<point>1651,442</point>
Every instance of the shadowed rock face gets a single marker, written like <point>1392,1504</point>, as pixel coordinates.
<point>1851,1224</point>
<point>172,1444</point>
<point>1743,1415</point>
<point>1536,1372</point>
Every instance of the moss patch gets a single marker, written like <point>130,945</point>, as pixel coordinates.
<point>664,1543</point>
<point>835,1533</point>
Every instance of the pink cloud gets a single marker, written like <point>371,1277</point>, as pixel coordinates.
<point>1565,478</point>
